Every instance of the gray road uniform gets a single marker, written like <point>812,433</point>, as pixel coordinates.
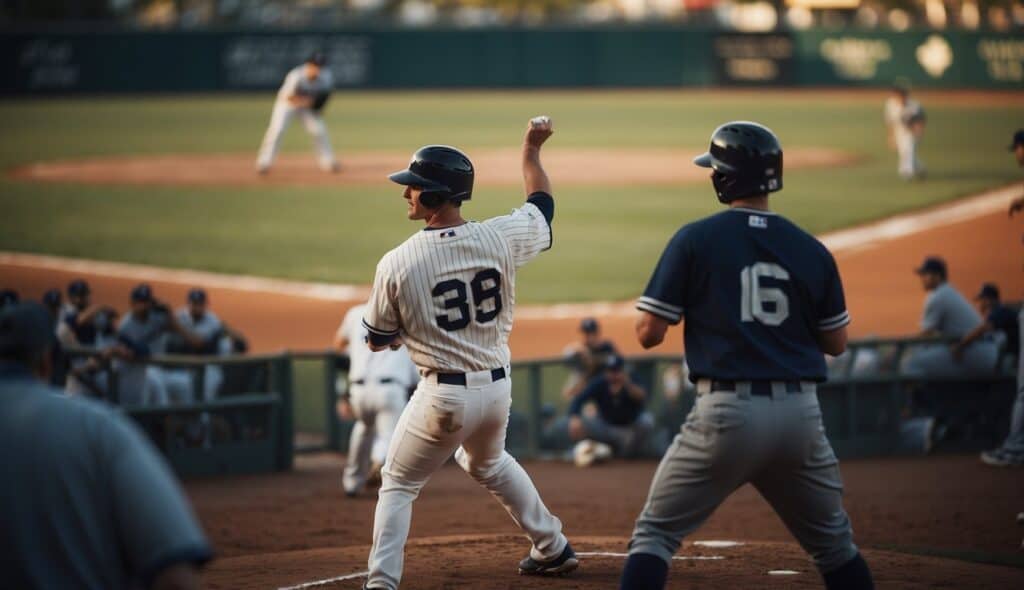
<point>87,502</point>
<point>755,291</point>
<point>211,330</point>
<point>296,83</point>
<point>141,384</point>
<point>947,312</point>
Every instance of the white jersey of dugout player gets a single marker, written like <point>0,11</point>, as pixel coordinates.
<point>378,386</point>
<point>297,83</point>
<point>904,119</point>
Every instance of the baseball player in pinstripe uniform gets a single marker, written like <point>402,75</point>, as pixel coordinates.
<point>447,293</point>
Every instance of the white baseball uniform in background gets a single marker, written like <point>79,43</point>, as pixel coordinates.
<point>378,386</point>
<point>296,82</point>
<point>450,293</point>
<point>899,116</point>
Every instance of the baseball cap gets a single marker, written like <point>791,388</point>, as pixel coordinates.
<point>26,331</point>
<point>1018,139</point>
<point>8,297</point>
<point>317,58</point>
<point>614,362</point>
<point>932,264</point>
<point>78,287</point>
<point>197,296</point>
<point>988,291</point>
<point>52,298</point>
<point>588,325</point>
<point>142,292</point>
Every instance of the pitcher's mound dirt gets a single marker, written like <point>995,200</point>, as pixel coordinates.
<point>489,561</point>
<point>493,167</point>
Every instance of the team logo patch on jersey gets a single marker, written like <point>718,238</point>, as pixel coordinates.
<point>758,221</point>
<point>448,234</point>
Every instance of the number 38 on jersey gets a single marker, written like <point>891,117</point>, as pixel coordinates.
<point>480,302</point>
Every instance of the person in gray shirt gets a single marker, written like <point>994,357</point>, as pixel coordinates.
<point>87,502</point>
<point>948,315</point>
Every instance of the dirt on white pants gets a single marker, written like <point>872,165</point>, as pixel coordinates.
<point>469,421</point>
<point>279,121</point>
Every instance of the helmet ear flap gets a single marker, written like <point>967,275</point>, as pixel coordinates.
<point>432,200</point>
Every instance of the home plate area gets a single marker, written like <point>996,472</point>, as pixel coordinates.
<point>489,561</point>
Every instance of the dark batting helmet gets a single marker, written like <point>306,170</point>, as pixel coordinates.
<point>443,174</point>
<point>746,159</point>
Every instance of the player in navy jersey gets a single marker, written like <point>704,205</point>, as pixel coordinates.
<point>762,301</point>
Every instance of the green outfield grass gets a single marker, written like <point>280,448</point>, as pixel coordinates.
<point>606,239</point>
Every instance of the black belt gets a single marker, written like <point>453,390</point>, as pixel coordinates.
<point>761,388</point>
<point>382,381</point>
<point>460,378</point>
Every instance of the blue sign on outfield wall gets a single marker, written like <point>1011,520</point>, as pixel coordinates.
<point>62,62</point>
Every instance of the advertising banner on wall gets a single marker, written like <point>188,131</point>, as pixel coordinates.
<point>754,59</point>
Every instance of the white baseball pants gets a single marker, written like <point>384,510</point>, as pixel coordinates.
<point>438,420</point>
<point>377,407</point>
<point>279,121</point>
<point>906,148</point>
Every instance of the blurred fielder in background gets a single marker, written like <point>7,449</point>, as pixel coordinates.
<point>905,119</point>
<point>304,93</point>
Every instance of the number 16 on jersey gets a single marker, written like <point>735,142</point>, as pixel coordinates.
<point>754,298</point>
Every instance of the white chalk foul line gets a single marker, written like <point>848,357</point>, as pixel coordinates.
<point>839,242</point>
<point>674,557</point>
<point>354,576</point>
<point>358,575</point>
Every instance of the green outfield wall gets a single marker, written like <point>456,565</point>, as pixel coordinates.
<point>69,62</point>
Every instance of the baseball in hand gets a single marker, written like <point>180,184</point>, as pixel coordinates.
<point>539,131</point>
<point>541,121</point>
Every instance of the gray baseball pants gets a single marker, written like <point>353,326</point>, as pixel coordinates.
<point>778,444</point>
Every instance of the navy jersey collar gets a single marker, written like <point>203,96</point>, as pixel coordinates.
<point>754,211</point>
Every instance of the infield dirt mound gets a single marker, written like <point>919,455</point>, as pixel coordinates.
<point>494,167</point>
<point>489,561</point>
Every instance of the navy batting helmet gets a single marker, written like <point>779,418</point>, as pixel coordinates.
<point>746,158</point>
<point>443,174</point>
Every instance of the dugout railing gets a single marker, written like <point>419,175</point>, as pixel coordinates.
<point>270,407</point>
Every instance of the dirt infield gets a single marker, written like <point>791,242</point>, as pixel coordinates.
<point>298,528</point>
<point>494,167</point>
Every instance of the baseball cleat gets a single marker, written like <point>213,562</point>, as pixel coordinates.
<point>563,564</point>
<point>262,170</point>
<point>1000,458</point>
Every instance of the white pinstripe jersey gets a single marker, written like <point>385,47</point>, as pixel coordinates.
<point>450,292</point>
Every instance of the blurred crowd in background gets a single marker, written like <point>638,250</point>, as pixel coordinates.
<point>740,15</point>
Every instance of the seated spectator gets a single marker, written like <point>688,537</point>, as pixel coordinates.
<point>87,502</point>
<point>620,421</point>
<point>52,301</point>
<point>84,325</point>
<point>213,336</point>
<point>1004,321</point>
<point>999,320</point>
<point>948,315</point>
<point>586,357</point>
<point>145,328</point>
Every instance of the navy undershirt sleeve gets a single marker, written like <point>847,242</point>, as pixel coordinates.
<point>544,202</point>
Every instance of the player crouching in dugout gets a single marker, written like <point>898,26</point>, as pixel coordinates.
<point>620,426</point>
